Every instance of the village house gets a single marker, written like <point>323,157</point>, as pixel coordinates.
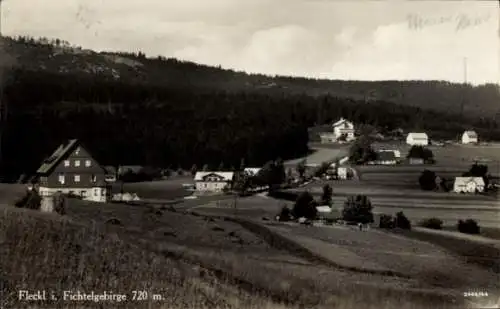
<point>213,181</point>
<point>468,185</point>
<point>469,137</point>
<point>343,131</point>
<point>71,169</point>
<point>340,173</point>
<point>419,139</point>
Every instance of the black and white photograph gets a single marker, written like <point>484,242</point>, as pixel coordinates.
<point>249,154</point>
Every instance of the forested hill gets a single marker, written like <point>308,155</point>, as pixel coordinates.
<point>57,56</point>
<point>136,111</point>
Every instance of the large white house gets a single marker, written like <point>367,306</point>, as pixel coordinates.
<point>468,184</point>
<point>343,128</point>
<point>469,137</point>
<point>343,131</point>
<point>417,138</point>
<point>213,181</point>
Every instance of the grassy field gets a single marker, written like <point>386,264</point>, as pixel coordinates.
<point>455,157</point>
<point>193,261</point>
<point>396,188</point>
<point>162,189</point>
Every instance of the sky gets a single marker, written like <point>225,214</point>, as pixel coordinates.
<point>350,40</point>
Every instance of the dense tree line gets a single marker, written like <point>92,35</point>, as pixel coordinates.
<point>124,123</point>
<point>140,122</point>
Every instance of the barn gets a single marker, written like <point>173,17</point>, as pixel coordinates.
<point>417,138</point>
<point>469,137</point>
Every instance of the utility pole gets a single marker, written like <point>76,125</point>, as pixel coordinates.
<point>464,92</point>
<point>1,93</point>
<point>3,107</point>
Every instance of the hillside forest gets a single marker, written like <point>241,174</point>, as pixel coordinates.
<point>133,121</point>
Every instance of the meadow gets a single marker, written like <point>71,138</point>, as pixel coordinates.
<point>194,261</point>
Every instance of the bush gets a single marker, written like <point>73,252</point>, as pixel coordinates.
<point>402,221</point>
<point>358,209</point>
<point>427,180</point>
<point>30,200</point>
<point>362,151</point>
<point>432,223</point>
<point>326,197</point>
<point>420,152</point>
<point>468,226</point>
<point>285,214</point>
<point>386,222</point>
<point>305,206</point>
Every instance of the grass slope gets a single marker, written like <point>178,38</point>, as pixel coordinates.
<point>193,261</point>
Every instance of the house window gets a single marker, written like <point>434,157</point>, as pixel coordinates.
<point>66,163</point>
<point>61,178</point>
<point>77,163</point>
<point>77,178</point>
<point>93,178</point>
<point>87,163</point>
<point>96,192</point>
<point>83,193</point>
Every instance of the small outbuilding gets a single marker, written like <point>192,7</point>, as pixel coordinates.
<point>469,137</point>
<point>417,138</point>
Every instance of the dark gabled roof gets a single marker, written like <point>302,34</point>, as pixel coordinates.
<point>386,156</point>
<point>64,149</point>
<point>51,162</point>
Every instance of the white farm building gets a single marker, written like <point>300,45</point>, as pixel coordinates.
<point>342,131</point>
<point>468,184</point>
<point>469,137</point>
<point>418,139</point>
<point>213,181</point>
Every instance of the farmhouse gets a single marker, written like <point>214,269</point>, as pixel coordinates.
<point>468,184</point>
<point>72,170</point>
<point>213,181</point>
<point>417,139</point>
<point>469,137</point>
<point>343,130</point>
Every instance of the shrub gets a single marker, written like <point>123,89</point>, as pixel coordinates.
<point>31,200</point>
<point>402,221</point>
<point>468,226</point>
<point>326,197</point>
<point>285,214</point>
<point>305,206</point>
<point>420,152</point>
<point>432,223</point>
<point>362,151</point>
<point>427,180</point>
<point>358,209</point>
<point>386,222</point>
